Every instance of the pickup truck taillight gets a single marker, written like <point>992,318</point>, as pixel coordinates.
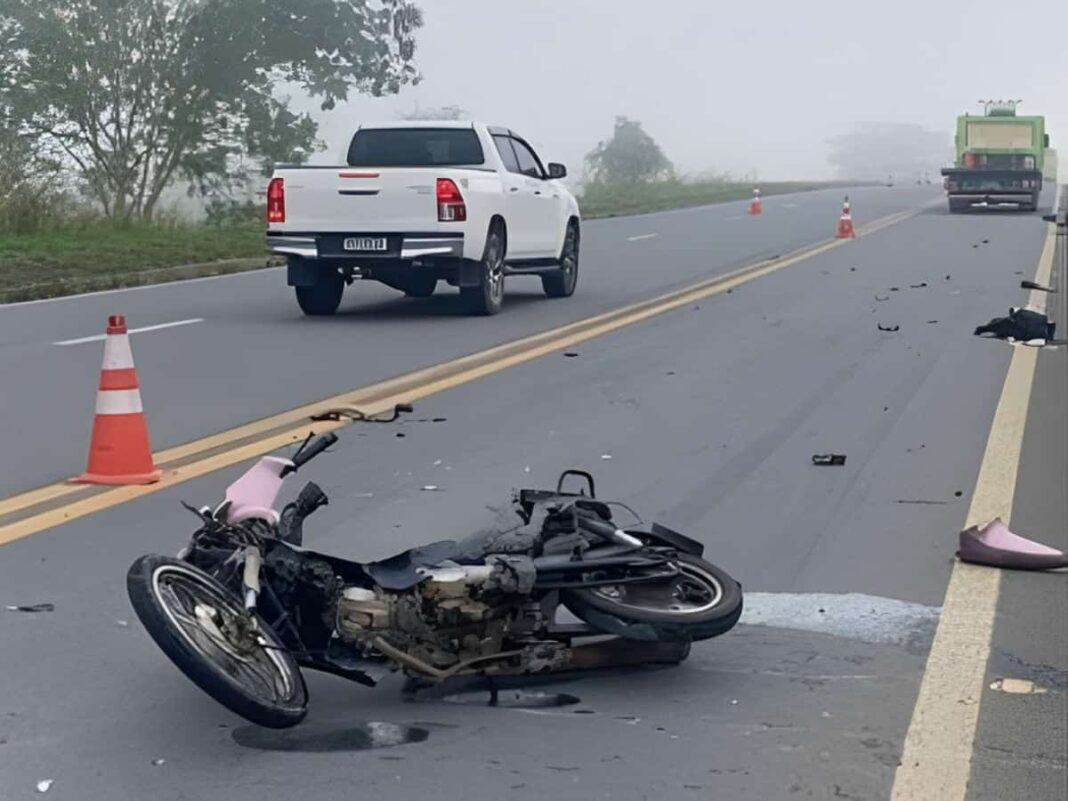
<point>451,207</point>
<point>276,201</point>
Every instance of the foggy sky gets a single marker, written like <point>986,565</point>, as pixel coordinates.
<point>740,86</point>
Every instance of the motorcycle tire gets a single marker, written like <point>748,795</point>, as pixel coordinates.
<point>704,603</point>
<point>181,607</point>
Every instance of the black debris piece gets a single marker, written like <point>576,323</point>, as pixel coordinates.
<point>829,459</point>
<point>894,289</point>
<point>947,277</point>
<point>886,408</point>
<point>852,269</point>
<point>957,494</point>
<point>400,435</point>
<point>888,327</point>
<point>1033,285</point>
<point>670,372</point>
<point>1023,324</point>
<point>729,291</point>
<point>975,246</point>
<point>931,322</point>
<point>922,502</point>
<point>46,607</point>
<point>910,450</point>
<point>1017,272</point>
<point>986,241</point>
<point>920,285</point>
<point>571,354</point>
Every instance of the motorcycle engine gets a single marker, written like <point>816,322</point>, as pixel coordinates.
<point>442,621</point>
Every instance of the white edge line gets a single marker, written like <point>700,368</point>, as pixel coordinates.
<point>638,238</point>
<point>161,285</point>
<point>100,337</point>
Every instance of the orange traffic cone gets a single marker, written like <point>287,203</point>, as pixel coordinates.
<point>756,205</point>
<point>845,223</point>
<point>119,452</point>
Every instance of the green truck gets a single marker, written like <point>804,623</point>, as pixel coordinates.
<point>1000,159</point>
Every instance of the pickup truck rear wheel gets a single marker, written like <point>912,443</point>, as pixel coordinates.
<point>323,298</point>
<point>561,284</point>
<point>488,296</point>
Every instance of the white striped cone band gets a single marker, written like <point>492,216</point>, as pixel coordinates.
<point>119,401</point>
<point>117,353</point>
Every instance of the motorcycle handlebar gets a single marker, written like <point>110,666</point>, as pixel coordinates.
<point>313,449</point>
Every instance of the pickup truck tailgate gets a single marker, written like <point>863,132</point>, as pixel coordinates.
<point>360,200</point>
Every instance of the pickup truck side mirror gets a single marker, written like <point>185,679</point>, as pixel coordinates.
<point>557,170</point>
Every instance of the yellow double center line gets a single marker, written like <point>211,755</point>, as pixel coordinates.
<point>53,505</point>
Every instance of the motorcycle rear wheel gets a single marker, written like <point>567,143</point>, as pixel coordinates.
<point>204,629</point>
<point>700,603</point>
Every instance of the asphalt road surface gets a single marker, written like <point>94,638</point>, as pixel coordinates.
<point>704,418</point>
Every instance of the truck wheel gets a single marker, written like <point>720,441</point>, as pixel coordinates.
<point>321,299</point>
<point>488,296</point>
<point>561,284</point>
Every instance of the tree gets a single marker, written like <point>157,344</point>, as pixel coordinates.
<point>437,113</point>
<point>630,156</point>
<point>137,94</point>
<point>880,149</point>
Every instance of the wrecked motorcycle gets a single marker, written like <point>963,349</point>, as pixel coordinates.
<point>244,606</point>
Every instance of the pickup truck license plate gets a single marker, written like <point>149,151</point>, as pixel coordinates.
<point>366,243</point>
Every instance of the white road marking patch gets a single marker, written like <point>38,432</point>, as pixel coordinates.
<point>100,337</point>
<point>854,616</point>
<point>641,237</point>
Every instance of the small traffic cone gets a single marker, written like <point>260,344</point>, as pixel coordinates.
<point>756,205</point>
<point>119,452</point>
<point>845,223</point>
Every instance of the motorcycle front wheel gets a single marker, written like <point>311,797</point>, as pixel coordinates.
<point>203,628</point>
<point>701,602</point>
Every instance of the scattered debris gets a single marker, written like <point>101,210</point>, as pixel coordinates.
<point>1017,687</point>
<point>122,623</point>
<point>363,495</point>
<point>729,291</point>
<point>734,702</point>
<point>975,246</point>
<point>1033,285</point>
<point>159,763</point>
<point>886,408</point>
<point>829,459</point>
<point>570,354</point>
<point>922,446</point>
<point>931,322</point>
<point>46,607</point>
<point>920,285</point>
<point>852,269</point>
<point>437,462</point>
<point>670,372</point>
<point>994,545</point>
<point>526,469</point>
<point>606,457</point>
<point>44,785</point>
<point>986,241</point>
<point>947,277</point>
<point>431,488</point>
<point>882,297</point>
<point>1017,272</point>
<point>921,502</point>
<point>1023,324</point>
<point>888,327</point>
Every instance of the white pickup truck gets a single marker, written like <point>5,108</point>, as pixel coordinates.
<point>417,203</point>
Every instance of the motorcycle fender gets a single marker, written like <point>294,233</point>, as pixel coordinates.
<point>674,539</point>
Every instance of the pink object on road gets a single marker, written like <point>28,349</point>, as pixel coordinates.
<point>994,545</point>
